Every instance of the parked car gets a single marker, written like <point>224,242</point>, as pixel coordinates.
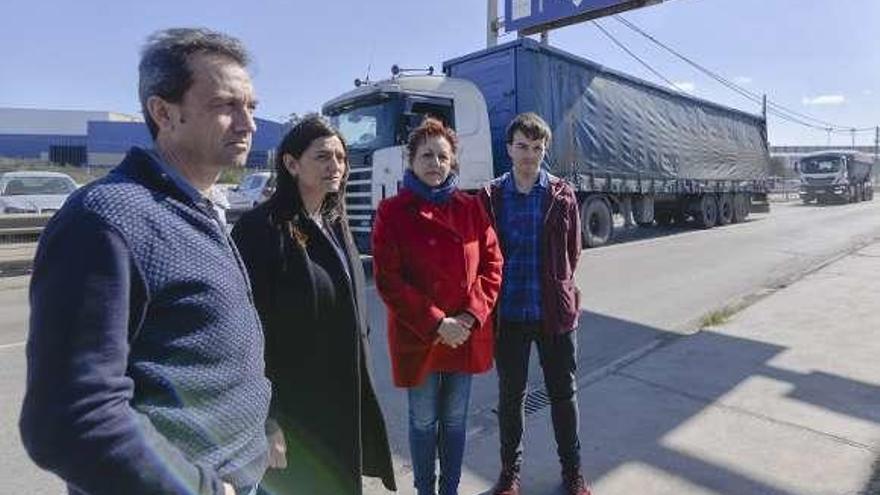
<point>252,190</point>
<point>34,192</point>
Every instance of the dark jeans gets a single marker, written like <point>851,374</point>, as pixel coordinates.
<point>437,427</point>
<point>558,355</point>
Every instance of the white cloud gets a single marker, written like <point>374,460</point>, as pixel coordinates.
<point>686,86</point>
<point>867,92</point>
<point>824,100</point>
<point>743,80</point>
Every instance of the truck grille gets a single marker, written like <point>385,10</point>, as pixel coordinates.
<point>358,198</point>
<point>819,182</point>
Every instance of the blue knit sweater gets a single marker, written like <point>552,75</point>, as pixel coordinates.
<point>145,352</point>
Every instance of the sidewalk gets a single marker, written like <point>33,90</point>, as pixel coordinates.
<point>783,399</point>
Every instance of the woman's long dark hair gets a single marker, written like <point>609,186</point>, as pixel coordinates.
<point>286,205</point>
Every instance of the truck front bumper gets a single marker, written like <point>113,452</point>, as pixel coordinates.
<point>830,190</point>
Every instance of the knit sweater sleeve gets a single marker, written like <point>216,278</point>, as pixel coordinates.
<point>86,297</point>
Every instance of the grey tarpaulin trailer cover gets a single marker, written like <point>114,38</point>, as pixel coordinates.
<point>622,141</point>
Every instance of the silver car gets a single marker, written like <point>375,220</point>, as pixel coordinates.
<point>34,192</point>
<point>253,189</point>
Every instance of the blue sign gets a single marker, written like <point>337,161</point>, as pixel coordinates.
<point>532,16</point>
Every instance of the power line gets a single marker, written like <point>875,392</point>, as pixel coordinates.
<point>746,94</point>
<point>774,108</point>
<point>738,89</point>
<point>674,86</point>
<point>633,55</point>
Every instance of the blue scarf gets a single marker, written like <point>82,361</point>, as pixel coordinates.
<point>437,195</point>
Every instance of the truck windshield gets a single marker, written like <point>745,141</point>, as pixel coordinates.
<point>369,126</point>
<point>820,165</point>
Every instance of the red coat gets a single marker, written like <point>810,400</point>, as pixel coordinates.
<point>432,261</point>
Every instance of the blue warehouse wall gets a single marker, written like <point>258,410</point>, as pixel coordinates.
<point>266,139</point>
<point>31,146</point>
<point>110,140</point>
<point>117,137</point>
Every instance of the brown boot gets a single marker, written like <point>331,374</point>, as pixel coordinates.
<point>508,482</point>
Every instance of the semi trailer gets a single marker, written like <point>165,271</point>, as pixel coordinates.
<point>618,140</point>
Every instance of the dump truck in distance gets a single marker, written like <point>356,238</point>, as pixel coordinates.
<point>616,139</point>
<point>836,176</point>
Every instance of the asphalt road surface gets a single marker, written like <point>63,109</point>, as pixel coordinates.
<point>650,286</point>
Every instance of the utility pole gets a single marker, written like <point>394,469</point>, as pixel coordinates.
<point>764,115</point>
<point>764,108</point>
<point>853,134</point>
<point>877,145</point>
<point>545,38</point>
<point>491,23</point>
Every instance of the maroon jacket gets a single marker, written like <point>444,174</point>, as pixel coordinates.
<point>560,250</point>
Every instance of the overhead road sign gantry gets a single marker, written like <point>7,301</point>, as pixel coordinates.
<point>534,16</point>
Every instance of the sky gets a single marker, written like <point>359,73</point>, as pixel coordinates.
<point>820,58</point>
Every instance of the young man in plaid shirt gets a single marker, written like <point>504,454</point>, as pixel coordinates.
<point>536,217</point>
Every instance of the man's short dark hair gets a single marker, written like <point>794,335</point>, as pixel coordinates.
<point>164,67</point>
<point>531,125</point>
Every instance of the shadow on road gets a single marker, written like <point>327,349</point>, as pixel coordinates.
<point>632,234</point>
<point>629,416</point>
<point>873,485</point>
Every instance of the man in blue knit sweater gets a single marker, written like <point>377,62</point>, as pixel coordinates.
<point>145,353</point>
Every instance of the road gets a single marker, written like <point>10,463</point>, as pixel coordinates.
<point>652,286</point>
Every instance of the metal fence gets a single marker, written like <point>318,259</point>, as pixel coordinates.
<point>21,228</point>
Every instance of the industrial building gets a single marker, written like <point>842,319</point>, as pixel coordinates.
<point>96,138</point>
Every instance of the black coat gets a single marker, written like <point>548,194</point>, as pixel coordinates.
<point>317,355</point>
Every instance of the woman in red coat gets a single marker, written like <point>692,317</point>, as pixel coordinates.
<point>437,266</point>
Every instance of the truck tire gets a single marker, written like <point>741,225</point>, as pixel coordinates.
<point>739,208</point>
<point>663,217</point>
<point>596,223</point>
<point>707,215</point>
<point>725,209</point>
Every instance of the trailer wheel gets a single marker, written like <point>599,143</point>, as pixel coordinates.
<point>707,216</point>
<point>663,217</point>
<point>725,209</point>
<point>596,223</point>
<point>747,206</point>
<point>679,217</point>
<point>739,207</point>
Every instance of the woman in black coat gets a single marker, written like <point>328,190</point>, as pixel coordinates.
<point>326,428</point>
